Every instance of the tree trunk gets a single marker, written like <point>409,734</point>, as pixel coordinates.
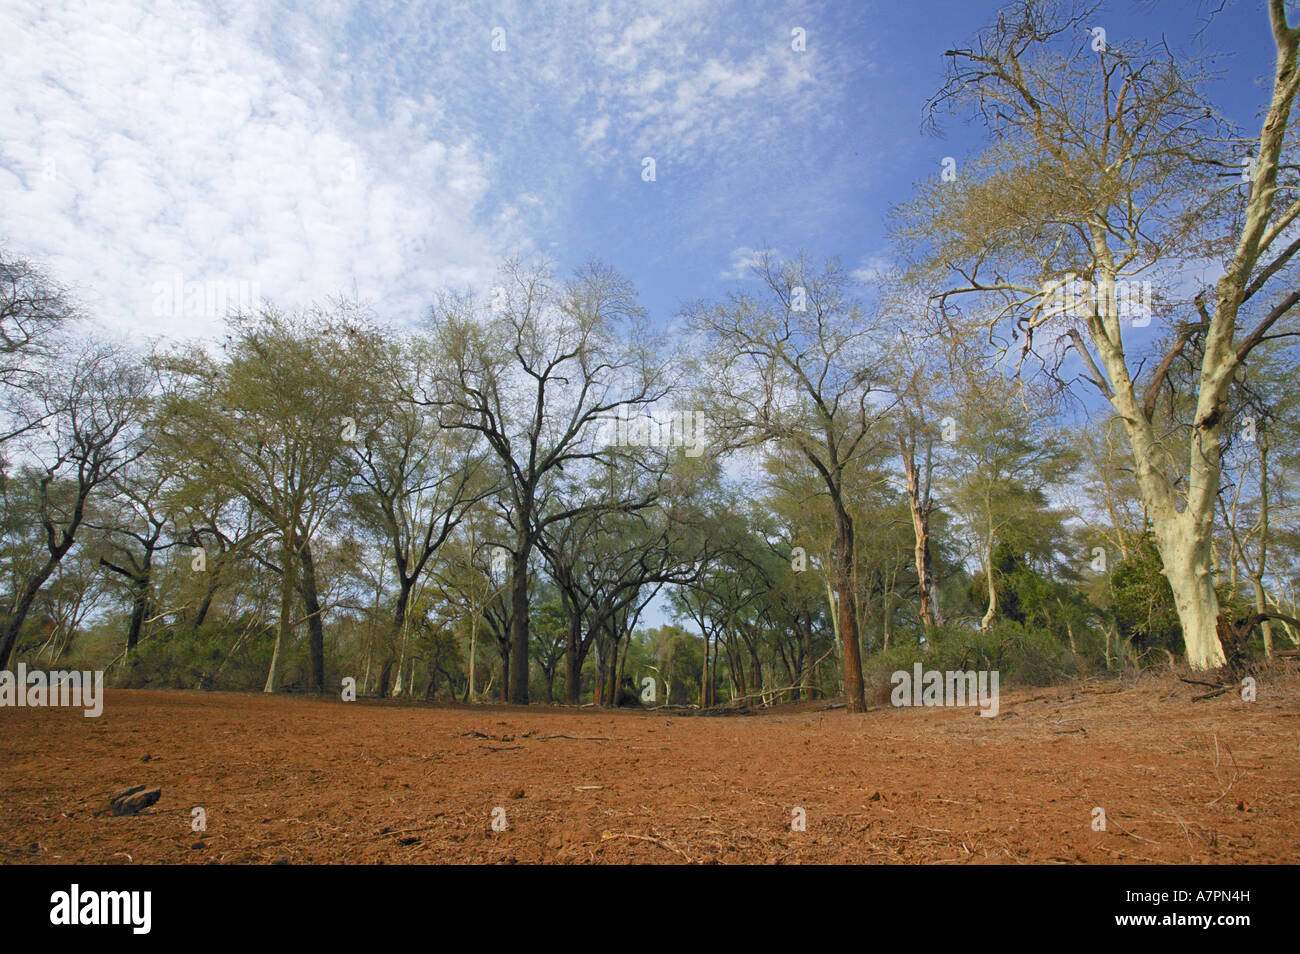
<point>598,686</point>
<point>854,699</point>
<point>518,661</point>
<point>706,684</point>
<point>1257,576</point>
<point>400,611</point>
<point>573,666</point>
<point>611,677</point>
<point>204,607</point>
<point>139,611</point>
<point>1187,567</point>
<point>806,662</point>
<point>1261,606</point>
<point>573,656</point>
<point>284,632</point>
<point>992,610</point>
<point>14,624</point>
<point>918,500</point>
<point>315,628</point>
<point>400,683</point>
<point>739,682</point>
<point>473,649</point>
<point>622,665</point>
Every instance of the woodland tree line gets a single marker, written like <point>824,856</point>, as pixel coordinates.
<point>985,458</point>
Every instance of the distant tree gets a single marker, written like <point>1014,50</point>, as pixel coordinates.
<point>89,403</point>
<point>34,310</point>
<point>132,524</point>
<point>1004,460</point>
<point>799,364</point>
<point>1141,600</point>
<point>536,379</point>
<point>416,481</point>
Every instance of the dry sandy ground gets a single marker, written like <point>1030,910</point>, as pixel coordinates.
<point>291,779</point>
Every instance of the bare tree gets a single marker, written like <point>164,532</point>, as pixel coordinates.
<point>537,379</point>
<point>417,480</point>
<point>800,366</point>
<point>89,404</point>
<point>1106,171</point>
<point>33,310</point>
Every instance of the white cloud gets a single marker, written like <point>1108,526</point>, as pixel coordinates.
<point>743,261</point>
<point>347,146</point>
<point>698,73</point>
<point>591,133</point>
<point>872,269</point>
<point>158,140</point>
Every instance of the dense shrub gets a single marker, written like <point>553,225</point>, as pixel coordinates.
<point>1022,655</point>
<point>211,659</point>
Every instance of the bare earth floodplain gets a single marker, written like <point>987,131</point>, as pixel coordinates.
<point>301,780</point>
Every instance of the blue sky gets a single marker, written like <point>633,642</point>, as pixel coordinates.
<point>387,149</point>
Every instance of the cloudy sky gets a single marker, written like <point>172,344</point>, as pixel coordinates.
<point>385,150</point>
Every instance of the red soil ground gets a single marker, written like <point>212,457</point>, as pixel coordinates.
<point>291,779</point>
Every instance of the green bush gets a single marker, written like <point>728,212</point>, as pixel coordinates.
<point>210,659</point>
<point>1022,655</point>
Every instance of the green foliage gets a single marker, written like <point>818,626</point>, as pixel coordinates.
<point>437,647</point>
<point>1141,600</point>
<point>1022,655</point>
<point>1050,602</point>
<point>212,658</point>
<point>675,657</point>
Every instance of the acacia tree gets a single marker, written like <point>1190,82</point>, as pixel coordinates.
<point>417,481</point>
<point>466,581</point>
<point>89,404</point>
<point>798,365</point>
<point>798,597</point>
<point>1105,169</point>
<point>536,379</point>
<point>228,532</point>
<point>33,312</point>
<point>921,401</point>
<point>1004,459</point>
<point>1256,493</point>
<point>135,519</point>
<point>633,530</point>
<point>272,423</point>
<point>73,593</point>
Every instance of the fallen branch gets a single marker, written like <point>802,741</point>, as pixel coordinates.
<point>1198,682</point>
